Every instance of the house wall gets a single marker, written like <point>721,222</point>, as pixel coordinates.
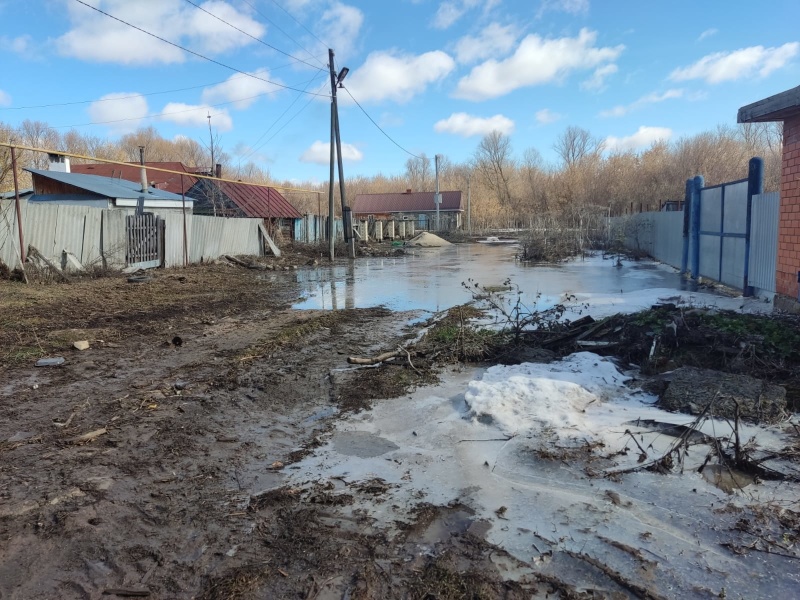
<point>42,185</point>
<point>789,224</point>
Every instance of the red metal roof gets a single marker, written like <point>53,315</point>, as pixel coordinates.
<point>164,181</point>
<point>259,201</point>
<point>396,202</point>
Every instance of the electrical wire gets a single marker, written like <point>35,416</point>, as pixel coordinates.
<point>276,26</point>
<point>282,127</point>
<point>175,112</point>
<point>326,46</point>
<point>194,87</point>
<point>259,40</point>
<point>390,138</point>
<point>192,52</point>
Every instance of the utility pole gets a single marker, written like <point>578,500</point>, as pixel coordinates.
<point>437,199</point>
<point>213,189</point>
<point>331,214</point>
<point>336,80</point>
<point>469,202</point>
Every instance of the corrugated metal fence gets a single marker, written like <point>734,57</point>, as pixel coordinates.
<point>764,240</point>
<point>723,218</point>
<point>97,236</point>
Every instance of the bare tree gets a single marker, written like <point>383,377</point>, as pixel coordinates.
<point>494,164</point>
<point>577,144</point>
<point>419,172</point>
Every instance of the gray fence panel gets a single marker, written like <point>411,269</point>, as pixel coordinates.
<point>9,238</point>
<point>710,209</point>
<point>764,241</point>
<point>732,272</point>
<point>668,237</point>
<point>735,220</point>
<point>213,237</point>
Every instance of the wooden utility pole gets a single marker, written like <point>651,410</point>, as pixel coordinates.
<point>19,210</point>
<point>336,134</point>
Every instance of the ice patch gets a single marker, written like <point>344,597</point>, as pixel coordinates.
<point>531,397</point>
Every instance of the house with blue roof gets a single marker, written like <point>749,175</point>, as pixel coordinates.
<point>79,189</point>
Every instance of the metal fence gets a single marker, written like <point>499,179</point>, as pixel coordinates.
<point>98,236</point>
<point>727,232</point>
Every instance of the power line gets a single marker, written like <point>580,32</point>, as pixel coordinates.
<point>276,26</point>
<point>390,138</point>
<point>282,127</point>
<point>172,112</point>
<point>197,54</point>
<point>259,40</point>
<point>194,87</point>
<point>326,46</point>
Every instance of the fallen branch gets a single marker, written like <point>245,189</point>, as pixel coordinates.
<point>88,437</point>
<point>356,360</point>
<point>126,592</point>
<point>235,260</point>
<point>411,364</point>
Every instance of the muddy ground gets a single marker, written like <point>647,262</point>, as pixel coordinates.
<point>153,463</point>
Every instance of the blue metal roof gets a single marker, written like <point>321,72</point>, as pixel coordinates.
<point>11,195</point>
<point>110,187</point>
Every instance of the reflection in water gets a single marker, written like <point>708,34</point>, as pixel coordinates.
<point>430,279</point>
<point>331,288</point>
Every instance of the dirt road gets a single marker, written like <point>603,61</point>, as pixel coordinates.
<point>153,463</point>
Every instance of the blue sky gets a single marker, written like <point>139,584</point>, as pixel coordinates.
<point>435,75</point>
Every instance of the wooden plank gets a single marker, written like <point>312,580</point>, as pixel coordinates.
<point>275,250</point>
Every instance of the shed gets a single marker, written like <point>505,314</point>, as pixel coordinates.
<point>235,199</point>
<point>79,189</point>
<point>784,107</point>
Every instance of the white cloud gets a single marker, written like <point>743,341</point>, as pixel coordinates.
<point>451,11</point>
<point>240,89</point>
<point>340,27</point>
<point>113,108</point>
<point>96,37</point>
<point>5,98</point>
<point>320,153</point>
<point>574,7</point>
<point>196,115</point>
<point>643,138</point>
<point>536,61</point>
<point>22,44</point>
<point>468,125</point>
<point>494,40</point>
<point>597,82</point>
<point>212,34</point>
<point>547,116</point>
<point>397,77</point>
<point>755,61</point>
<point>653,98</point>
<point>707,34</point>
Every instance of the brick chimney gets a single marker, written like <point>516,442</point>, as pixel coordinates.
<point>218,171</point>
<point>408,190</point>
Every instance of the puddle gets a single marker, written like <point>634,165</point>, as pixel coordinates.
<point>727,479</point>
<point>320,414</point>
<point>362,444</point>
<point>430,279</point>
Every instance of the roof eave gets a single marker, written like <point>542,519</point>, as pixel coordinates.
<point>775,108</point>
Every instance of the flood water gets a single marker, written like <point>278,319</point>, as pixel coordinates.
<point>431,278</point>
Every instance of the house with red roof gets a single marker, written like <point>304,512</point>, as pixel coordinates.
<point>419,207</point>
<point>223,198</point>
<point>211,197</point>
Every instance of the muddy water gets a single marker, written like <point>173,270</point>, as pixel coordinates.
<point>430,279</point>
